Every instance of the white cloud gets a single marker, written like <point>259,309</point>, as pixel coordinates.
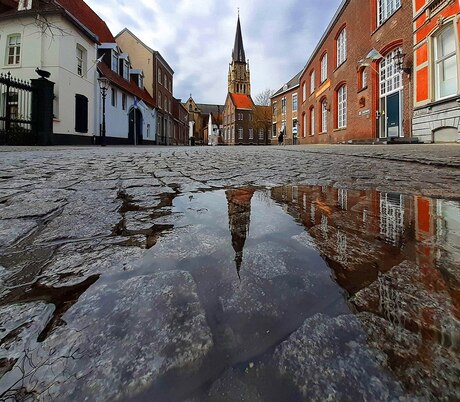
<point>196,38</point>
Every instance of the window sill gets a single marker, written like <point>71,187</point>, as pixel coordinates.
<point>339,129</point>
<point>388,19</point>
<point>340,65</point>
<point>362,89</point>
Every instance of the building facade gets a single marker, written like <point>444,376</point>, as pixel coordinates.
<point>180,127</point>
<point>436,76</point>
<point>158,81</point>
<point>284,106</point>
<point>357,84</point>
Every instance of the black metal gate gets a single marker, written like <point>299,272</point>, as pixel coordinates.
<point>16,125</point>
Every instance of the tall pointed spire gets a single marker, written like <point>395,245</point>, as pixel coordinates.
<point>238,54</point>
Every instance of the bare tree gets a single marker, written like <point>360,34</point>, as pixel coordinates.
<point>264,98</point>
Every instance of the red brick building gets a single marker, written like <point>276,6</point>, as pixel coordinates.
<point>357,84</point>
<point>436,77</point>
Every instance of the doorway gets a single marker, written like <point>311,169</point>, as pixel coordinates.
<point>135,127</point>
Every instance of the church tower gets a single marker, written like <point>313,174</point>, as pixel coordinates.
<point>239,81</point>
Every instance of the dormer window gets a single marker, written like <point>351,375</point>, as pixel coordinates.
<point>126,70</point>
<point>115,61</point>
<point>141,81</point>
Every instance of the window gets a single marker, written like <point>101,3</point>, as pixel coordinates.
<point>240,133</point>
<point>148,130</point>
<point>159,100</point>
<point>294,126</point>
<point>446,63</point>
<point>324,68</point>
<point>312,121</point>
<point>385,9</point>
<point>240,116</point>
<point>81,61</point>
<point>123,101</point>
<point>341,47</point>
<point>390,76</point>
<point>312,82</point>
<point>275,108</point>
<point>14,49</point>
<point>261,133</point>
<point>126,70</point>
<point>81,113</point>
<point>342,107</point>
<point>159,76</point>
<point>324,116</point>
<point>165,81</point>
<point>304,125</point>
<point>114,97</point>
<point>251,134</point>
<point>283,105</point>
<point>294,102</point>
<point>114,61</point>
<point>362,78</point>
<point>304,92</point>
<point>141,81</point>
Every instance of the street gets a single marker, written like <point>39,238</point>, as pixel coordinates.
<point>230,273</point>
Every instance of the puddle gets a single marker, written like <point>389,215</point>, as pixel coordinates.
<point>296,293</point>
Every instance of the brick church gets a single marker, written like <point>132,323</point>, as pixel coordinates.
<point>243,122</point>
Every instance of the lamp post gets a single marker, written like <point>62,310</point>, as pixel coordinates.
<point>104,86</point>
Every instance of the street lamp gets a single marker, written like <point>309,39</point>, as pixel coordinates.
<point>104,86</point>
<point>399,62</point>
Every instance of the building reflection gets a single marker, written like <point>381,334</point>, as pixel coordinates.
<point>406,247</point>
<point>239,218</point>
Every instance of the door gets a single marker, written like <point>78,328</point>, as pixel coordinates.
<point>393,115</point>
<point>135,127</point>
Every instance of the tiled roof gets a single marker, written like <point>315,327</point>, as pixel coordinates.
<point>127,86</point>
<point>242,101</point>
<point>87,17</point>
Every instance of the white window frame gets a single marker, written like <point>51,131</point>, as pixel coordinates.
<point>13,50</point>
<point>261,133</point>
<point>342,47</point>
<point>304,91</point>
<point>251,134</point>
<point>114,97</point>
<point>342,107</point>
<point>81,60</point>
<point>126,70</point>
<point>312,82</point>
<point>240,133</point>
<point>440,60</point>
<point>324,116</point>
<point>390,76</point>
<point>283,105</point>
<point>312,121</point>
<point>294,103</point>
<point>385,9</point>
<point>324,68</point>
<point>304,125</point>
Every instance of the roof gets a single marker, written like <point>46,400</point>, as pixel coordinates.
<point>155,52</point>
<point>84,14</point>
<point>238,54</point>
<point>242,101</point>
<point>208,108</point>
<point>127,86</point>
<point>292,83</point>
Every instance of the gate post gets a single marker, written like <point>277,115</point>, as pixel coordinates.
<point>42,110</point>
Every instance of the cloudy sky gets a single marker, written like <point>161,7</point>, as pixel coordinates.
<point>196,38</point>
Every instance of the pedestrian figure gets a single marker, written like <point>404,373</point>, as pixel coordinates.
<point>280,138</point>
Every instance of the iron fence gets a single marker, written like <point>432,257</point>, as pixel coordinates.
<point>16,125</point>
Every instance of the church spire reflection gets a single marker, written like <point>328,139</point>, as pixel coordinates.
<point>239,217</point>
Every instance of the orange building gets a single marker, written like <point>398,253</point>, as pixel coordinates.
<point>436,76</point>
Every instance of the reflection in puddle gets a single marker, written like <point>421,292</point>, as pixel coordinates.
<point>239,217</point>
<point>325,279</point>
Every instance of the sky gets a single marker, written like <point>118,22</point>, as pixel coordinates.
<point>196,38</point>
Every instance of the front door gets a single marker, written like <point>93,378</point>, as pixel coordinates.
<point>393,115</point>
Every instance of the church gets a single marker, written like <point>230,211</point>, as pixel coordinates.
<point>244,123</point>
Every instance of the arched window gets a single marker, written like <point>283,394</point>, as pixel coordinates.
<point>312,121</point>
<point>341,43</point>
<point>324,116</point>
<point>324,68</point>
<point>304,124</point>
<point>342,107</point>
<point>312,81</point>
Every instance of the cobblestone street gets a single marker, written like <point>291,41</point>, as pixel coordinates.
<point>117,272</point>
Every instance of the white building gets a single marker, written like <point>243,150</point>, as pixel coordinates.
<point>65,38</point>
